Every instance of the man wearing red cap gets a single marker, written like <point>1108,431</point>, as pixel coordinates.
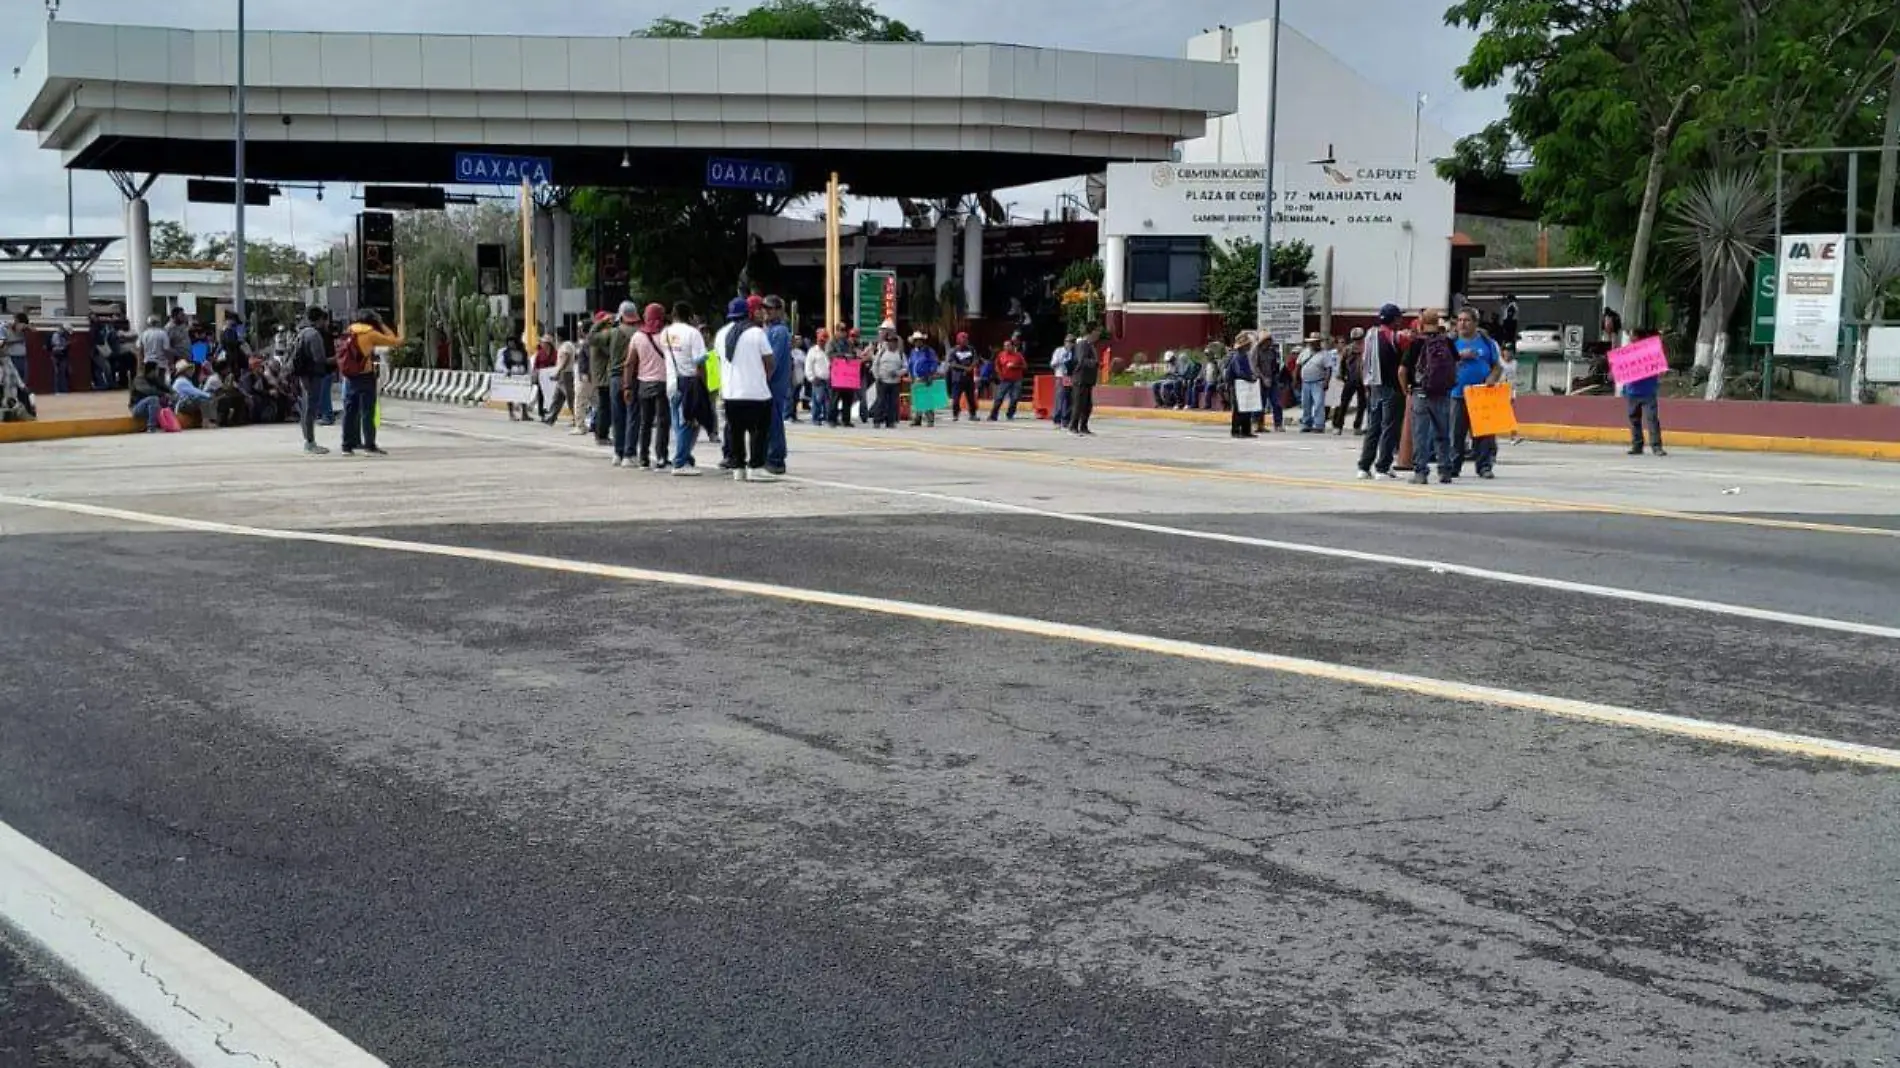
<point>961,367</point>
<point>645,378</point>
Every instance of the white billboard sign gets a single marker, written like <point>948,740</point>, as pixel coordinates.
<point>1282,313</point>
<point>1389,225</point>
<point>1809,273</point>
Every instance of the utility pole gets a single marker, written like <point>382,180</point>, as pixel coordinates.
<point>237,255</point>
<point>1273,109</point>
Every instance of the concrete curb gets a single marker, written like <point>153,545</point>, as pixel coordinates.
<point>1597,435</point>
<point>60,429</point>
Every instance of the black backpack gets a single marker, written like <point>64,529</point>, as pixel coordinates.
<point>1437,365</point>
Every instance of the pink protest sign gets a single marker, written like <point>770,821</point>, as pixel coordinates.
<point>1637,361</point>
<point>846,374</point>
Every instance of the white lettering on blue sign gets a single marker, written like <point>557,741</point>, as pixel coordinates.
<point>480,168</point>
<point>748,174</point>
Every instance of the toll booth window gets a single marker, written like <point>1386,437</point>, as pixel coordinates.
<point>1166,269</point>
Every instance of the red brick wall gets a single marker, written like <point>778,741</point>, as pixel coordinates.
<point>1836,422</point>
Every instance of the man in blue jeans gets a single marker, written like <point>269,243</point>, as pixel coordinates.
<point>1478,365</point>
<point>779,336</point>
<point>1640,400</point>
<point>1428,372</point>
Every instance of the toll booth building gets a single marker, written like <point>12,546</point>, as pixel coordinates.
<point>916,120</point>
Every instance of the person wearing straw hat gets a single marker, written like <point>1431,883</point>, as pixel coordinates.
<point>923,367</point>
<point>1316,371</point>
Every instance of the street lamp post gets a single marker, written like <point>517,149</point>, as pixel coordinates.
<point>237,255</point>
<point>1273,109</point>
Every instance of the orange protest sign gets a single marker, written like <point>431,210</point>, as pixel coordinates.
<point>1489,408</point>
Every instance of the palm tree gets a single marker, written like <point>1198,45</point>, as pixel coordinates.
<point>1725,217</point>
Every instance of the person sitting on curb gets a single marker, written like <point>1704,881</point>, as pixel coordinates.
<point>150,392</point>
<point>188,396</point>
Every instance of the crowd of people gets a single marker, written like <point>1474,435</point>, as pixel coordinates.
<point>651,383</point>
<point>1405,384</point>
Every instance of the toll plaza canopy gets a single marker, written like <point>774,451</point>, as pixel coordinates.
<point>892,119</point>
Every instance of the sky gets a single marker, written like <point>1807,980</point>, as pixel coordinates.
<point>1416,53</point>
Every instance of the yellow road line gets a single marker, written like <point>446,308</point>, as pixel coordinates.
<point>1755,738</point>
<point>1439,493</point>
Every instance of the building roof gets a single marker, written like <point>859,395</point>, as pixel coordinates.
<point>891,118</point>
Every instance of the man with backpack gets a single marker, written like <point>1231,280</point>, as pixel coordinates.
<point>1478,365</point>
<point>1428,372</point>
<point>312,362</point>
<point>356,361</point>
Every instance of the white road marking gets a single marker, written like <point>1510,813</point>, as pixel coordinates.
<point>206,1011</point>
<point>1558,707</point>
<point>1765,615</point>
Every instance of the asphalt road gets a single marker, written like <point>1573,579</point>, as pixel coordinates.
<point>482,815</point>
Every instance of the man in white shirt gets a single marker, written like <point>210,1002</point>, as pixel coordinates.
<point>685,386</point>
<point>1059,365</point>
<point>154,342</point>
<point>818,374</point>
<point>745,383</point>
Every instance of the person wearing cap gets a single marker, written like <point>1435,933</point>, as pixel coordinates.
<point>740,313</point>
<point>600,356</point>
<point>843,349</point>
<point>1385,400</point>
<point>923,367</point>
<point>818,377</point>
<point>778,334</point>
<point>960,367</point>
<point>1428,371</point>
<point>644,378</point>
<point>622,411</point>
<point>745,357</point>
<point>687,398</point>
<point>1316,366</point>
<point>887,370</point>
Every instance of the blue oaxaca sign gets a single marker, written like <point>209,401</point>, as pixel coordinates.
<point>758,176</point>
<point>484,168</point>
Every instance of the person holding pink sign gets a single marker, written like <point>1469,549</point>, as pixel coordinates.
<point>1641,395</point>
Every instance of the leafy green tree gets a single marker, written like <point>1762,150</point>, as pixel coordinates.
<point>171,242</point>
<point>1613,105</point>
<point>1233,277</point>
<point>690,244</point>
<point>792,20</point>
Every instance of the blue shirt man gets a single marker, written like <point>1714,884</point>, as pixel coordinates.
<point>779,336</point>
<point>1477,358</point>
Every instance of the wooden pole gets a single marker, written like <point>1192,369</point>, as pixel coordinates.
<point>832,318</point>
<point>530,297</point>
